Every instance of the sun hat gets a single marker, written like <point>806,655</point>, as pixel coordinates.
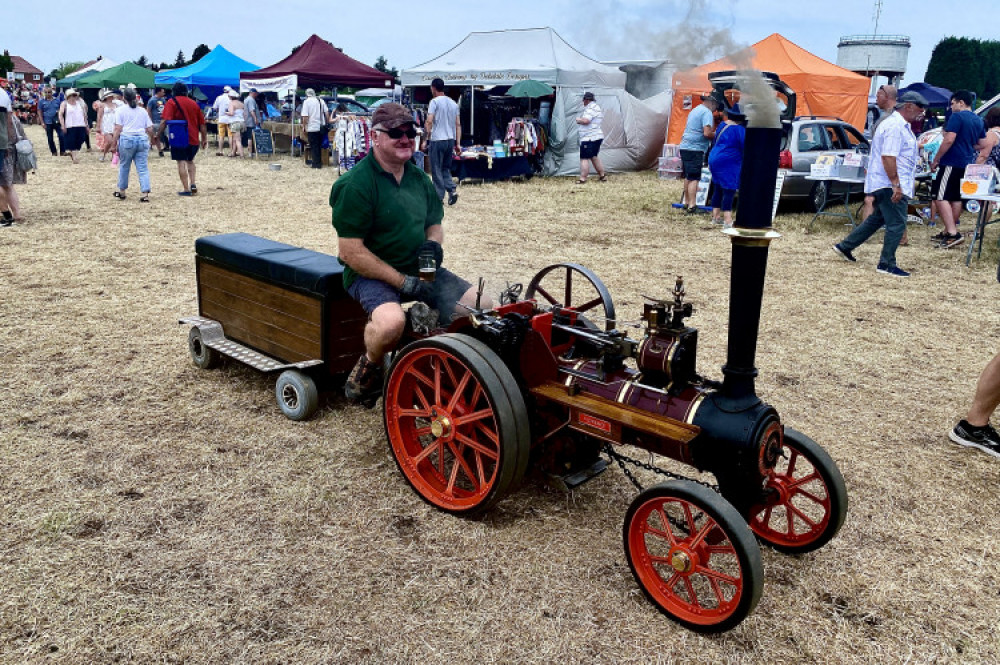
<point>71,92</point>
<point>234,94</point>
<point>388,116</point>
<point>106,93</point>
<point>226,88</point>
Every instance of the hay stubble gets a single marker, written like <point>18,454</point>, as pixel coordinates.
<point>155,512</point>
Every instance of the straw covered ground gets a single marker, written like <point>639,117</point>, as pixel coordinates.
<point>154,512</point>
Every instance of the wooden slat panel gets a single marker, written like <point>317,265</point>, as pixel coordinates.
<point>628,416</point>
<point>269,295</point>
<point>274,320</point>
<point>214,298</point>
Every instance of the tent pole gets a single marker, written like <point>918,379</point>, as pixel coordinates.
<point>472,112</point>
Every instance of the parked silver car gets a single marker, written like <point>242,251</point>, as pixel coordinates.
<point>804,140</point>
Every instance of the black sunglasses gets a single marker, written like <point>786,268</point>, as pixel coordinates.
<point>397,133</point>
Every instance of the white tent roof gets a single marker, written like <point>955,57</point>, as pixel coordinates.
<point>507,56</point>
<point>100,65</point>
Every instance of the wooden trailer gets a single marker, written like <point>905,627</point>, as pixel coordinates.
<point>277,308</point>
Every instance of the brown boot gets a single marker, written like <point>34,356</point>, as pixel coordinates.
<point>364,382</point>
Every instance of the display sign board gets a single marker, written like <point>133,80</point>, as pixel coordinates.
<point>701,197</point>
<point>263,141</point>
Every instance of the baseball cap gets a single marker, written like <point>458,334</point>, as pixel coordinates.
<point>388,116</point>
<point>912,97</point>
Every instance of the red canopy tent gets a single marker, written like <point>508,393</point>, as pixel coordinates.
<point>315,64</point>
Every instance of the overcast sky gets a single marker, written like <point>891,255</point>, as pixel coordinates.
<point>50,32</point>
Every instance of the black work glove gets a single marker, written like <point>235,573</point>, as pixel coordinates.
<point>415,289</point>
<point>435,248</point>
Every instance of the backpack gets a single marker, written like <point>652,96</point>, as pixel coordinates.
<point>177,130</point>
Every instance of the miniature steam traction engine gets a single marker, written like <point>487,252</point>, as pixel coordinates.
<point>549,382</point>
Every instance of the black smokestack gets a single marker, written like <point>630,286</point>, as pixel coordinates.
<point>751,237</point>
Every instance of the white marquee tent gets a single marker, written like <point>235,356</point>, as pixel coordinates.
<point>634,130</point>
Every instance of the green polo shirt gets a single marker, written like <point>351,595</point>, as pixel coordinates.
<point>392,218</point>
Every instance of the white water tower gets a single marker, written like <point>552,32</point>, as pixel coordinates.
<point>875,55</point>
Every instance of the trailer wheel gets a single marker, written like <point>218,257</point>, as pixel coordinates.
<point>584,292</point>
<point>693,556</point>
<point>202,355</point>
<point>297,395</point>
<point>457,424</point>
<point>807,501</point>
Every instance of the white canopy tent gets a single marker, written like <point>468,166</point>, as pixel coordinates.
<point>634,130</point>
<point>98,65</point>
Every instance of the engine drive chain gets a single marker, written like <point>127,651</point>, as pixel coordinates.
<point>623,459</point>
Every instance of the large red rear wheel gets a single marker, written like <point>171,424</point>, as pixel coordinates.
<point>693,556</point>
<point>807,498</point>
<point>457,423</point>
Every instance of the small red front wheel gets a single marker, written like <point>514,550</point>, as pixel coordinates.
<point>806,500</point>
<point>693,556</point>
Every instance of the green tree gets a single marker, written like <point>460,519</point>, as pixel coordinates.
<point>64,69</point>
<point>162,66</point>
<point>142,61</point>
<point>200,51</point>
<point>383,66</point>
<point>960,63</point>
<point>179,60</point>
<point>6,64</point>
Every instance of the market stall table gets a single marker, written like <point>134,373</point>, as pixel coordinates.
<point>501,168</point>
<point>837,198</point>
<point>985,204</point>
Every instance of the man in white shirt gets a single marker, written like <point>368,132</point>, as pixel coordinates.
<point>221,105</point>
<point>445,131</point>
<point>314,114</point>
<point>591,138</point>
<point>892,164</point>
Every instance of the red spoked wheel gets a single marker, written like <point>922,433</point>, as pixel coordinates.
<point>693,556</point>
<point>457,423</point>
<point>807,498</point>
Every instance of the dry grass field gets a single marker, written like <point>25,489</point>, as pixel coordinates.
<point>152,512</point>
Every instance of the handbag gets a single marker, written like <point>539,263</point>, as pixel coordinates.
<point>26,160</point>
<point>177,130</point>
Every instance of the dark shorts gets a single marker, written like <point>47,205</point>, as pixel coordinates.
<point>75,138</point>
<point>448,289</point>
<point>184,154</point>
<point>947,184</point>
<point>692,161</point>
<point>589,149</point>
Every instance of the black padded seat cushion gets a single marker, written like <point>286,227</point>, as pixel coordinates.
<point>275,262</point>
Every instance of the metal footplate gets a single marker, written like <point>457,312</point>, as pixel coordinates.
<point>214,337</point>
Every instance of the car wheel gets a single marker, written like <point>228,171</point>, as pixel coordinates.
<point>818,196</point>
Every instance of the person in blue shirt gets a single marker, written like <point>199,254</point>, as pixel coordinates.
<point>48,115</point>
<point>698,132</point>
<point>963,135</point>
<point>725,162</point>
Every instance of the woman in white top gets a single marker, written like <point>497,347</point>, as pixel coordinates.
<point>133,130</point>
<point>235,112</point>
<point>73,118</point>
<point>106,123</point>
